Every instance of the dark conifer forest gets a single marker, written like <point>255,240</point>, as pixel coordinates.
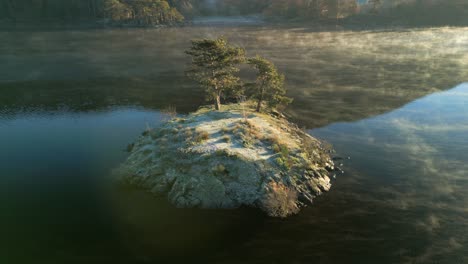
<point>155,12</point>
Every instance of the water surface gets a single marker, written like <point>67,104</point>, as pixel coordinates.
<point>333,76</point>
<point>71,101</point>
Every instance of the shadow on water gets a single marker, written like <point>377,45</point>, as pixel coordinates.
<point>152,229</point>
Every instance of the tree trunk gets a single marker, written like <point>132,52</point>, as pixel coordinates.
<point>260,100</point>
<point>259,105</point>
<point>218,102</point>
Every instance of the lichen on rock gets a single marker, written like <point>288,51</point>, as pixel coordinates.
<point>230,158</point>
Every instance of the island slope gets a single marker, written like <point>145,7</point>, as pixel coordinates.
<point>230,158</point>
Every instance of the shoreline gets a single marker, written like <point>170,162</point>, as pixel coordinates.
<point>222,21</point>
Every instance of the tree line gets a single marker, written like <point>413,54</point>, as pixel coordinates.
<point>142,12</point>
<point>151,12</point>
<point>215,64</point>
<point>374,11</point>
<point>418,12</point>
<point>270,8</point>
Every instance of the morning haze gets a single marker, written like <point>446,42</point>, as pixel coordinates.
<point>382,83</point>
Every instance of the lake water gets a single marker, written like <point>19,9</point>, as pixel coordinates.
<point>394,102</point>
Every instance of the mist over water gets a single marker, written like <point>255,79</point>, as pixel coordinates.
<point>71,101</point>
<point>345,75</point>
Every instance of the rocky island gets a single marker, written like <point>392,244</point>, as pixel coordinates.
<point>230,158</point>
<point>244,154</point>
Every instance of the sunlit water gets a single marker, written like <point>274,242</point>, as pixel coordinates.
<point>72,101</point>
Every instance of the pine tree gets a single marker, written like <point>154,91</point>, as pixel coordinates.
<point>269,85</point>
<point>214,65</point>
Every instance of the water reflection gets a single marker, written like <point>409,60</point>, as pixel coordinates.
<point>403,198</point>
<point>67,111</point>
<point>414,162</point>
<point>333,76</point>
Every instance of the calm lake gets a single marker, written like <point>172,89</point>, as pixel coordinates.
<point>392,103</point>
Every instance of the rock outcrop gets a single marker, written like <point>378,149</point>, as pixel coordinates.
<point>230,158</point>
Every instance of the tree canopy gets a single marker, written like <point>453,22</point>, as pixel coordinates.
<point>269,85</point>
<point>141,12</point>
<point>151,12</point>
<point>214,65</point>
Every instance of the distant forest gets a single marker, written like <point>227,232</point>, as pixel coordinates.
<point>154,12</point>
<point>142,12</point>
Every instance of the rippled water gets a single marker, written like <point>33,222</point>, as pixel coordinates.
<point>71,102</point>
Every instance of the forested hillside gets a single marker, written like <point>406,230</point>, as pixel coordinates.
<point>153,12</point>
<point>419,12</point>
<point>141,12</point>
<point>384,12</point>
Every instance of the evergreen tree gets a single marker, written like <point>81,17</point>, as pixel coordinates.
<point>214,65</point>
<point>115,10</point>
<point>269,85</point>
<point>142,12</point>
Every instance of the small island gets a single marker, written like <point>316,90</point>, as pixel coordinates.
<point>230,158</point>
<point>240,154</point>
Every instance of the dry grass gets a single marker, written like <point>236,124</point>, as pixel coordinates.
<point>247,131</point>
<point>195,136</point>
<point>276,148</point>
<point>279,146</point>
<point>254,130</point>
<point>219,169</point>
<point>317,150</point>
<point>175,131</point>
<point>281,200</point>
<point>276,139</point>
<point>226,139</point>
<point>169,113</point>
<point>201,135</point>
<point>225,130</point>
<point>237,127</point>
